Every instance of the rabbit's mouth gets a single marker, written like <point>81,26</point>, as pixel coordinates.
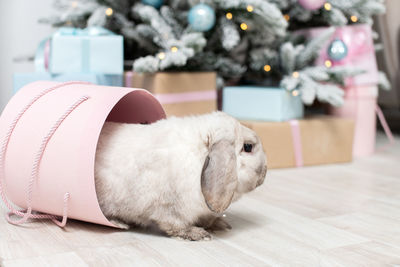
<point>262,174</point>
<point>236,196</point>
<point>248,187</point>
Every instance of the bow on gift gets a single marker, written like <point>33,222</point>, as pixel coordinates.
<point>90,31</point>
<point>42,56</point>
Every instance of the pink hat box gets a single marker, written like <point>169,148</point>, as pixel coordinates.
<point>49,133</point>
<point>360,105</point>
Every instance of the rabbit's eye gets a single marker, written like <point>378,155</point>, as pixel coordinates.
<point>247,148</point>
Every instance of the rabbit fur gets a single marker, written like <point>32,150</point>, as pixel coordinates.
<point>177,173</point>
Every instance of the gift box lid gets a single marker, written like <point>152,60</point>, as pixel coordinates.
<point>261,103</point>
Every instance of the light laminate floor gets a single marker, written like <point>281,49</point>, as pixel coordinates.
<point>332,215</point>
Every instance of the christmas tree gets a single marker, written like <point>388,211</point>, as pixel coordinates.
<point>255,41</point>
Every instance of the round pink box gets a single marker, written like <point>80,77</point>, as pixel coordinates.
<point>360,105</point>
<point>65,121</point>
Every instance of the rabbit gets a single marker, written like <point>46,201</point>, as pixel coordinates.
<point>179,174</point>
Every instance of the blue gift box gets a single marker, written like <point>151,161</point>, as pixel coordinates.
<point>21,79</point>
<point>261,103</point>
<point>92,50</point>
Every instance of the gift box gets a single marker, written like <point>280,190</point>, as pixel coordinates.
<point>21,79</point>
<point>180,93</point>
<point>358,50</point>
<point>92,50</point>
<point>311,141</point>
<point>360,104</point>
<point>261,103</point>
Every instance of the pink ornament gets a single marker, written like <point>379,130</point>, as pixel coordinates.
<point>312,4</point>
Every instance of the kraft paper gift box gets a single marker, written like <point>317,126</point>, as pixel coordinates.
<point>180,93</point>
<point>311,141</point>
<point>360,51</point>
<point>92,50</point>
<point>360,103</point>
<point>261,103</point>
<point>21,79</point>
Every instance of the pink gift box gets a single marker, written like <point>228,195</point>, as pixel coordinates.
<point>360,55</point>
<point>49,133</point>
<point>360,105</point>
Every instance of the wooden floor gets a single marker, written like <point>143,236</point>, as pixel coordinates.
<point>333,215</point>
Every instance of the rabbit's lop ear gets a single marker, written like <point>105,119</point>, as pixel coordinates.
<point>219,177</point>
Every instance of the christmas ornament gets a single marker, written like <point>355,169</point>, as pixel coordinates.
<point>201,17</point>
<point>337,50</point>
<point>312,4</point>
<point>153,3</point>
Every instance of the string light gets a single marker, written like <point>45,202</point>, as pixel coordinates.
<point>161,55</point>
<point>243,26</point>
<point>328,63</point>
<point>174,49</point>
<point>354,18</point>
<point>250,8</point>
<point>286,17</point>
<point>229,15</point>
<point>74,4</point>
<point>327,6</point>
<point>109,11</point>
<point>295,74</point>
<point>267,68</point>
<point>295,92</point>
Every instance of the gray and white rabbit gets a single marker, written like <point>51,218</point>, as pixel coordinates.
<point>177,173</point>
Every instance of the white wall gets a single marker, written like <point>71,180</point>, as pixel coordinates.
<point>20,34</point>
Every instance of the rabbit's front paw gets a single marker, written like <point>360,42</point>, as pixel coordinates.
<point>219,224</point>
<point>192,233</point>
<point>120,224</point>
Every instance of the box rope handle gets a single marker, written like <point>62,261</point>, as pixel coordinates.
<point>26,214</point>
<point>381,119</point>
<point>384,124</point>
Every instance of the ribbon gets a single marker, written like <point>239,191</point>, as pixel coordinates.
<point>296,137</point>
<point>384,124</point>
<point>42,56</point>
<point>186,97</point>
<point>128,78</point>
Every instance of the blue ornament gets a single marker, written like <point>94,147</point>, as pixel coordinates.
<point>337,50</point>
<point>201,17</point>
<point>153,3</point>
